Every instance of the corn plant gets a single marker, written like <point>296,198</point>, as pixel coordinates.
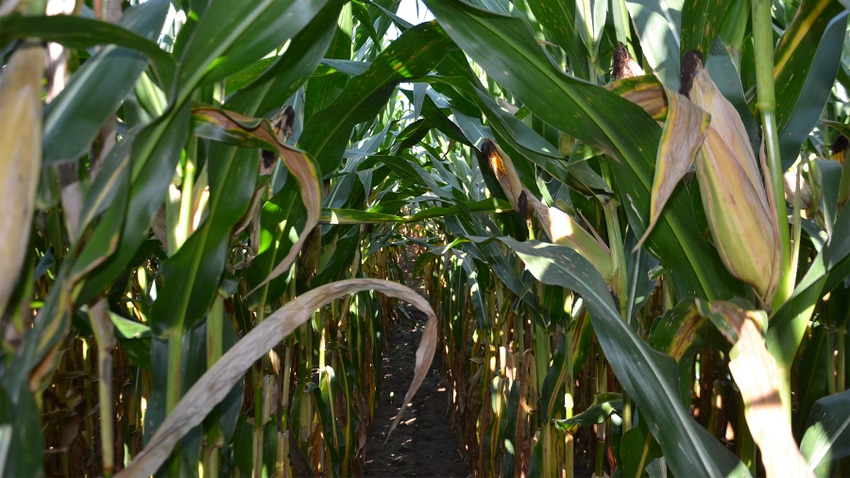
<point>639,270</point>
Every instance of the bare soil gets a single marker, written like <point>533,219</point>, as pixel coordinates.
<point>423,444</point>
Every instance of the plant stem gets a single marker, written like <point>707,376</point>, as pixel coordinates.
<point>601,385</point>
<point>569,396</point>
<point>618,258</point>
<point>172,387</point>
<point>766,104</point>
<point>841,384</point>
<point>257,461</point>
<point>643,454</point>
<point>105,338</point>
<point>214,440</point>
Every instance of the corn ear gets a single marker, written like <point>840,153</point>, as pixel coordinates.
<point>740,213</point>
<point>20,157</point>
<point>623,65</point>
<point>631,83</point>
<point>505,172</point>
<point>560,227</point>
<point>838,150</point>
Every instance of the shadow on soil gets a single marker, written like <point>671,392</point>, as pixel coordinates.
<point>423,444</point>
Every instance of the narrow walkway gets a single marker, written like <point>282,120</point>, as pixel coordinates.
<point>423,444</point>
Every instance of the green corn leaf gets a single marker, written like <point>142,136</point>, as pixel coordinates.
<point>78,32</point>
<point>649,377</point>
<point>274,23</point>
<point>506,49</point>
<point>827,438</point>
<point>807,60</point>
<point>233,34</point>
<point>558,18</point>
<point>199,262</point>
<point>413,55</point>
<point>241,130</point>
<point>828,269</point>
<point>290,70</point>
<point>97,89</point>
<point>605,405</point>
<point>657,25</point>
<point>154,154</point>
<point>680,331</point>
<point>20,434</point>
<point>701,22</point>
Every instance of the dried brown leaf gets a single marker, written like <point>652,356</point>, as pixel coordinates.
<point>216,383</point>
<point>683,135</point>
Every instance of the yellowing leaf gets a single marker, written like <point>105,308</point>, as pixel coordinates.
<point>20,157</point>
<point>683,134</point>
<point>234,128</point>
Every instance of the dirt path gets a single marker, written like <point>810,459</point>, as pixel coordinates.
<point>423,445</point>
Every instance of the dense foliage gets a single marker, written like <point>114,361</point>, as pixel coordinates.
<point>207,205</point>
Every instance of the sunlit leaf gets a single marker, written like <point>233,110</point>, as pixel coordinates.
<point>78,32</point>
<point>414,54</point>
<point>827,438</point>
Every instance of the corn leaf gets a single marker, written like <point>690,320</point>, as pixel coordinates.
<point>237,129</point>
<point>98,88</point>
<point>215,384</point>
<point>78,32</point>
<point>658,27</point>
<point>807,59</point>
<point>414,54</point>
<point>827,437</point>
<point>648,376</point>
<point>505,48</point>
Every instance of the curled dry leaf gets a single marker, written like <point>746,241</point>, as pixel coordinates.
<point>215,384</point>
<point>234,128</point>
<point>683,134</point>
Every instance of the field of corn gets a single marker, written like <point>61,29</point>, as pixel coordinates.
<point>629,218</point>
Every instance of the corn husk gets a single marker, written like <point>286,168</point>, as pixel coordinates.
<point>702,127</point>
<point>20,157</point>
<point>740,212</point>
